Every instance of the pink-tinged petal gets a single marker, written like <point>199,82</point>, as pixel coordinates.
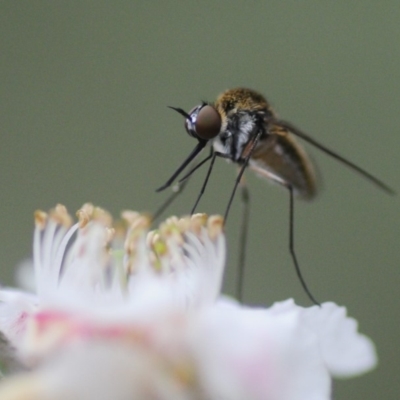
<point>104,371</point>
<point>250,354</point>
<point>15,310</point>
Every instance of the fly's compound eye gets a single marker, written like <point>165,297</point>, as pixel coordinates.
<point>208,123</point>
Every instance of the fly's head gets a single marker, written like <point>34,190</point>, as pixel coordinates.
<point>203,122</point>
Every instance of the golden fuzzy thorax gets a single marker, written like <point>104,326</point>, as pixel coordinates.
<point>234,100</point>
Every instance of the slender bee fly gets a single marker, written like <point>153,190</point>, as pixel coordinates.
<point>242,127</point>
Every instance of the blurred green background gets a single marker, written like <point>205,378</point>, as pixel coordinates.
<point>84,90</point>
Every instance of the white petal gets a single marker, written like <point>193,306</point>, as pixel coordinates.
<point>101,371</point>
<point>253,354</point>
<point>346,352</point>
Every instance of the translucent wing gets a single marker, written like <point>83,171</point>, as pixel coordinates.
<point>280,158</point>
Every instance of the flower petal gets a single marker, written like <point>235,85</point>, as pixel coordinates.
<point>346,352</point>
<point>102,371</point>
<point>15,309</point>
<point>248,353</point>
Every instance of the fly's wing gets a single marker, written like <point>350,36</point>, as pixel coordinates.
<point>281,159</point>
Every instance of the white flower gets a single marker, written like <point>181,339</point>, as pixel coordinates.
<point>139,315</point>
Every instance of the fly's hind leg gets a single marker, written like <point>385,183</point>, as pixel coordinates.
<point>245,199</point>
<point>270,176</point>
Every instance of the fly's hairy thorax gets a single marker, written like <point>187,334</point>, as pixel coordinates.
<point>243,113</point>
<point>240,129</point>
